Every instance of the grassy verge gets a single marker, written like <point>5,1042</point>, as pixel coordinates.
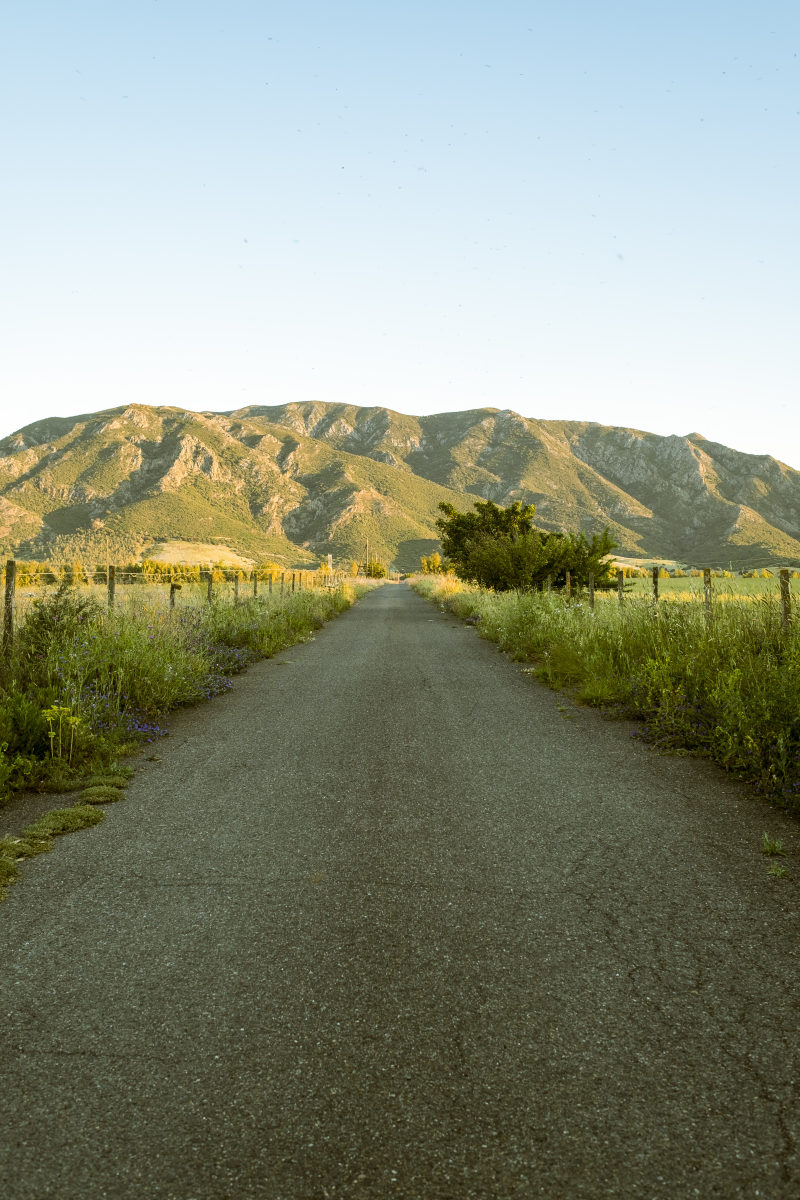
<point>84,687</point>
<point>730,690</point>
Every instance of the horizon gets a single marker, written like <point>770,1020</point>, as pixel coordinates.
<point>580,211</point>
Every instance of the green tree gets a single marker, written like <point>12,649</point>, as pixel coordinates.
<point>502,549</point>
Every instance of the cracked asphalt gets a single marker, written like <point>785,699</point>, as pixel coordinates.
<point>385,922</point>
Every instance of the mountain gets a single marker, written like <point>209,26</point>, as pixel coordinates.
<point>294,482</point>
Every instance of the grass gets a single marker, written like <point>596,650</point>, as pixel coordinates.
<point>729,689</point>
<point>38,838</point>
<point>84,686</point>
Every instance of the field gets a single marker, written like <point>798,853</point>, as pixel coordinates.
<point>727,687</point>
<point>691,588</point>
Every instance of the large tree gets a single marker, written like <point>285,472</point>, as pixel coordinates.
<point>501,548</point>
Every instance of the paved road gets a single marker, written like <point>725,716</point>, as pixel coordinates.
<point>384,922</point>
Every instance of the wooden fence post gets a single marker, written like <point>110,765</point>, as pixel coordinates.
<point>655,585</point>
<point>173,588</point>
<point>8,611</point>
<point>786,599</point>
<point>548,583</point>
<point>707,595</point>
<point>209,578</point>
<point>568,584</point>
<point>620,587</point>
<point>236,588</point>
<point>283,581</point>
<point>591,590</point>
<point>112,584</point>
<point>270,583</point>
<point>292,580</point>
<point>255,582</point>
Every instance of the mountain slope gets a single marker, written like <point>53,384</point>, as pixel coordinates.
<point>297,481</point>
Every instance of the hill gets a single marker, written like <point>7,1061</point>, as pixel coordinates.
<point>294,482</point>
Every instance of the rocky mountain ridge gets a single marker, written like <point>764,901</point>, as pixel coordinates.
<point>296,481</point>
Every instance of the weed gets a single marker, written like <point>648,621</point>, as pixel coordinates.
<point>112,780</point>
<point>771,845</point>
<point>83,687</point>
<point>101,794</point>
<point>64,820</point>
<point>38,839</point>
<point>731,691</point>
<point>777,871</point>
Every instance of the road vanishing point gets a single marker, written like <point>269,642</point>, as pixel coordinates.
<point>392,920</point>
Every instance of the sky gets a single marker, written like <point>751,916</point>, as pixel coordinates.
<point>575,210</point>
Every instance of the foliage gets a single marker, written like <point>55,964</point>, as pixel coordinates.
<point>729,689</point>
<point>432,564</point>
<point>83,686</point>
<point>500,548</point>
<point>101,793</point>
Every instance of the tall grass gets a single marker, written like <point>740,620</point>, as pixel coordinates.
<point>83,686</point>
<point>729,689</point>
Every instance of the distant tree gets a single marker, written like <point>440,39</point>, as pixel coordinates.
<point>433,564</point>
<point>502,549</point>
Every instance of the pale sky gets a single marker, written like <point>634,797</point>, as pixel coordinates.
<point>576,210</point>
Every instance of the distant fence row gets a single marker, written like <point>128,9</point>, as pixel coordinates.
<point>783,589</point>
<point>213,583</point>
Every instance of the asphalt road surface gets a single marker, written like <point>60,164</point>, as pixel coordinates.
<point>385,922</point>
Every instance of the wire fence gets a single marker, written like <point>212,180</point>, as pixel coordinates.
<point>24,583</point>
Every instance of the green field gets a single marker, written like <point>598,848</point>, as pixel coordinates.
<point>691,588</point>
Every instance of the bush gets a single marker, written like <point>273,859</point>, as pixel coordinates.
<point>500,548</point>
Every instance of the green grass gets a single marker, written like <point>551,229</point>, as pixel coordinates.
<point>772,846</point>
<point>38,839</point>
<point>85,686</point>
<point>691,588</point>
<point>101,794</point>
<point>729,690</point>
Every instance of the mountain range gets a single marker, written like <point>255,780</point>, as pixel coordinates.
<point>293,482</point>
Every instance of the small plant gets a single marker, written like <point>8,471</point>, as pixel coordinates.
<point>38,838</point>
<point>60,718</point>
<point>777,872</point>
<point>112,781</point>
<point>9,873</point>
<point>101,794</point>
<point>64,820</point>
<point>771,845</point>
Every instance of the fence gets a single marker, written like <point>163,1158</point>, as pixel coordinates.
<point>708,592</point>
<point>212,581</point>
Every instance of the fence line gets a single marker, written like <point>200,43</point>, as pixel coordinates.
<point>13,579</point>
<point>784,585</point>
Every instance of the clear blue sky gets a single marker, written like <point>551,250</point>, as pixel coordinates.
<point>576,210</point>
